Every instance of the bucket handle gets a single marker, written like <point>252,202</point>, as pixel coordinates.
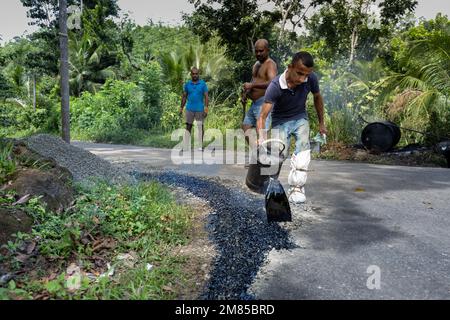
<point>273,140</point>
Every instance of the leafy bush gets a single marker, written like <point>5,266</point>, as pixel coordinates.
<point>416,95</point>
<point>7,163</point>
<point>170,118</point>
<point>151,85</point>
<point>17,117</point>
<point>141,218</point>
<point>342,124</point>
<point>122,112</point>
<point>108,115</point>
<point>225,112</point>
<point>5,87</point>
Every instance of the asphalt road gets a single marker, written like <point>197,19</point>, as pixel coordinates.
<point>375,232</point>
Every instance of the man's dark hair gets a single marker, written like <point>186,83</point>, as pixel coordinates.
<point>305,58</point>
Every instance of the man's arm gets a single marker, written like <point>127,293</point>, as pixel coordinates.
<point>247,87</point>
<point>318,104</point>
<point>206,102</point>
<point>261,123</point>
<point>183,101</point>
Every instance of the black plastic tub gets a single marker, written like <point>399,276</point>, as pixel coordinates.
<point>380,136</point>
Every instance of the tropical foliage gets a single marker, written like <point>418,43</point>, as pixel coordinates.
<point>128,78</point>
<point>420,91</point>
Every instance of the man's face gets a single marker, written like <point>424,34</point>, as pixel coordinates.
<point>297,74</point>
<point>195,75</point>
<point>261,52</point>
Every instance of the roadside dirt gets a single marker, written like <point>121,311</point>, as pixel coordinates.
<point>199,252</point>
<point>416,157</point>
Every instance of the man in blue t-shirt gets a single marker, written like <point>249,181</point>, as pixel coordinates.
<point>195,92</point>
<point>286,99</point>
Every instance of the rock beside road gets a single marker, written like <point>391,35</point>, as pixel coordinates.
<point>56,193</point>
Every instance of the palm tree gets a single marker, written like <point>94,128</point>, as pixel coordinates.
<point>359,84</point>
<point>91,64</point>
<point>364,74</point>
<point>422,92</point>
<point>210,59</point>
<point>174,70</point>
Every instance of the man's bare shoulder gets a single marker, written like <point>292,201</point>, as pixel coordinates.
<point>270,67</point>
<point>269,63</point>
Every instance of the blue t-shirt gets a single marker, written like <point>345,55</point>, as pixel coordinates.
<point>195,95</point>
<point>289,104</point>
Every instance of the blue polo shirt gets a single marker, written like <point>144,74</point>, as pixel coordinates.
<point>195,95</point>
<point>289,104</point>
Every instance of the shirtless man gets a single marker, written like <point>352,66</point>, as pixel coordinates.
<point>264,70</point>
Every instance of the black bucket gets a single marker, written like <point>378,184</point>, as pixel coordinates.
<point>256,181</point>
<point>444,148</point>
<point>381,136</point>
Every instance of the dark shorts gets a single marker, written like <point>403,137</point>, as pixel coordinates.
<point>197,116</point>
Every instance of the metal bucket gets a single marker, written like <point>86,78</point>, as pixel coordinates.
<point>256,181</point>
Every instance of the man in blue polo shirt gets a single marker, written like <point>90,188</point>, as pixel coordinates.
<point>195,92</point>
<point>286,99</point>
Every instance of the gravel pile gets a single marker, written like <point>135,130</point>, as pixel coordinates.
<point>81,163</point>
<point>238,228</point>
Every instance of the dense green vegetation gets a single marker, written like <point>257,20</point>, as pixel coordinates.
<point>125,87</point>
<point>142,219</point>
<point>126,80</point>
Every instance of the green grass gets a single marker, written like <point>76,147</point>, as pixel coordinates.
<point>142,218</point>
<point>7,163</point>
<point>157,139</point>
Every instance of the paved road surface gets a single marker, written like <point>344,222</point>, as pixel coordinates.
<point>376,232</point>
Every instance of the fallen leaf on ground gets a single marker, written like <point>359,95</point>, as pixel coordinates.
<point>22,200</point>
<point>42,296</point>
<point>22,257</point>
<point>103,244</point>
<point>168,288</point>
<point>31,246</point>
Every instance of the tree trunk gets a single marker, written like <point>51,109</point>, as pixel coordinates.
<point>64,71</point>
<point>34,92</point>
<point>284,17</point>
<point>353,44</point>
<point>28,87</point>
